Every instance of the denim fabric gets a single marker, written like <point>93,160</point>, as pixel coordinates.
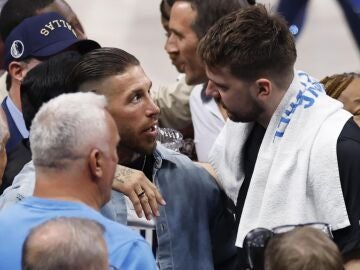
<point>115,209</point>
<point>194,230</point>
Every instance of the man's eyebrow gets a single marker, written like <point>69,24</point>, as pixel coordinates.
<point>175,32</point>
<point>219,84</point>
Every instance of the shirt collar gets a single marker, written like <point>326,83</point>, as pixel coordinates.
<point>17,117</point>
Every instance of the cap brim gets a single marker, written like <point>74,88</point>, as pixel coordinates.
<point>83,46</point>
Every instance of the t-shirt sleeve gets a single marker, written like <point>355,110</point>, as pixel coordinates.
<point>348,152</point>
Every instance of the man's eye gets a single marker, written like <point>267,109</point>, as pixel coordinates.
<point>136,99</point>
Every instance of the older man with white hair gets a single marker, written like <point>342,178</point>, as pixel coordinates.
<point>73,142</point>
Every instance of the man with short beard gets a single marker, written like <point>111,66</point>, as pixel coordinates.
<point>194,230</point>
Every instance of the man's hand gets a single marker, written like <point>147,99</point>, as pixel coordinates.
<point>143,194</point>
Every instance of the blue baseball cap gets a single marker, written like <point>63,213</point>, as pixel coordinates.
<point>42,36</point>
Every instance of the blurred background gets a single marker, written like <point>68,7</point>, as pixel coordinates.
<point>325,45</point>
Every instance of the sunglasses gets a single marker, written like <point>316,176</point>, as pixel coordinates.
<point>256,240</point>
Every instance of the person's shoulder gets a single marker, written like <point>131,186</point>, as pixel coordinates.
<point>126,245</point>
<point>180,165</point>
<point>350,132</point>
<point>348,144</point>
<point>11,215</point>
<point>179,160</point>
<point>118,231</point>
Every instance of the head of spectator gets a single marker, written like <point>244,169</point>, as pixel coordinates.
<point>15,11</point>
<point>345,88</point>
<point>42,83</point>
<point>35,39</point>
<point>165,8</point>
<point>67,244</point>
<point>302,248</point>
<point>73,142</point>
<point>4,136</point>
<point>189,21</point>
<point>118,75</point>
<point>47,80</point>
<point>250,65</point>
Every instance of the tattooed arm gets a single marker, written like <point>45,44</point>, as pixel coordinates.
<point>132,182</point>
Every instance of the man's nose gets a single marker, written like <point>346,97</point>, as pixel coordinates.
<point>211,90</point>
<point>170,44</point>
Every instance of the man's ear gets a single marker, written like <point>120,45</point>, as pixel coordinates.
<point>96,163</point>
<point>17,70</point>
<point>264,88</point>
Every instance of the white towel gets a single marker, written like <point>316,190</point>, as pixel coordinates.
<point>296,177</point>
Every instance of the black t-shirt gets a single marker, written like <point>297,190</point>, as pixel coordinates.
<point>348,154</point>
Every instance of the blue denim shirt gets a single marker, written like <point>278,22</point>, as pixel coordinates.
<point>194,230</point>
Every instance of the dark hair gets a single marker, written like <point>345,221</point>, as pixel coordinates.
<point>250,42</point>
<point>302,248</point>
<point>102,63</point>
<point>8,82</point>
<point>164,14</point>
<point>46,81</point>
<point>15,11</point>
<point>336,84</point>
<point>210,11</point>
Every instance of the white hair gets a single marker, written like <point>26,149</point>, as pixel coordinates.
<point>67,127</point>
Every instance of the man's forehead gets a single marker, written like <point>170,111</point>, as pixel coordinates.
<point>182,14</point>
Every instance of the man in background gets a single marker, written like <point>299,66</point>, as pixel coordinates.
<point>67,244</point>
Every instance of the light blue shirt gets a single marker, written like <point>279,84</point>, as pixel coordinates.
<point>127,249</point>
<point>18,118</point>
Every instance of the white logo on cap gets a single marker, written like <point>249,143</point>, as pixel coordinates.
<point>17,49</point>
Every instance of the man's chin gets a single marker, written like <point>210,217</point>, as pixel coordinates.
<point>149,149</point>
<point>234,118</point>
<point>237,119</point>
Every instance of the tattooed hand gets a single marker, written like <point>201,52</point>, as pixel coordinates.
<point>133,183</point>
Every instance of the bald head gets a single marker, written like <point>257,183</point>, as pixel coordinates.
<point>65,243</point>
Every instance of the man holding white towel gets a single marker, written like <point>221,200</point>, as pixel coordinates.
<point>291,154</point>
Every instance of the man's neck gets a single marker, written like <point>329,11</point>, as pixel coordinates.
<point>14,94</point>
<point>127,156</point>
<point>63,186</point>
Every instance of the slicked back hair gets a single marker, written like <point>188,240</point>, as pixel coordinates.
<point>210,11</point>
<point>15,11</point>
<point>100,64</point>
<point>250,42</point>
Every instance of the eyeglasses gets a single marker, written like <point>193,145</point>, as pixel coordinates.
<point>256,240</point>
